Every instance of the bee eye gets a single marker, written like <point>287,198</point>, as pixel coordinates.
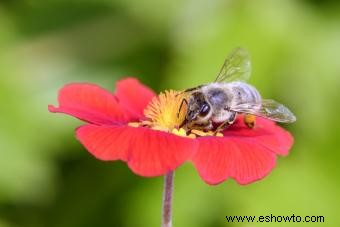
<point>204,110</point>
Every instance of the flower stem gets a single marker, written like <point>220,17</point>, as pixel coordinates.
<point>167,199</point>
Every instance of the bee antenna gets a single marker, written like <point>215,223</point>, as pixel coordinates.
<point>183,123</point>
<point>190,90</point>
<point>180,107</point>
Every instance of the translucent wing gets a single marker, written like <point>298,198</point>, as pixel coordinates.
<point>269,109</point>
<point>236,67</point>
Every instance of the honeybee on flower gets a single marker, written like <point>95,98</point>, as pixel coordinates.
<point>216,105</point>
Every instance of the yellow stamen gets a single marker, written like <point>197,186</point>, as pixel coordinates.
<point>164,110</point>
<point>148,123</point>
<point>219,134</point>
<point>198,132</point>
<point>192,136</point>
<point>159,128</point>
<point>134,124</point>
<point>179,132</point>
<point>208,133</point>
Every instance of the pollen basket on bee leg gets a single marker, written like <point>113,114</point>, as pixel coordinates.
<point>249,120</point>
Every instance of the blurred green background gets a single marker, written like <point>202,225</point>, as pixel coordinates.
<point>48,179</point>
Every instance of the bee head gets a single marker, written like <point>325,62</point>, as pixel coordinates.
<point>198,108</point>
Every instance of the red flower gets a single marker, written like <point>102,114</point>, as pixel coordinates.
<point>151,143</point>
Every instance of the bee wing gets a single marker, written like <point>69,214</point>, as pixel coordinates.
<point>236,67</point>
<point>269,109</point>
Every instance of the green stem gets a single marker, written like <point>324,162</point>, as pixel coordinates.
<point>167,199</point>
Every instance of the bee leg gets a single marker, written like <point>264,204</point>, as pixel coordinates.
<point>249,120</point>
<point>232,118</point>
<point>184,124</point>
<point>221,127</point>
<point>206,126</point>
<point>209,126</point>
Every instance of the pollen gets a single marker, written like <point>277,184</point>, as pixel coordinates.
<point>167,110</point>
<point>208,133</point>
<point>179,132</point>
<point>134,124</point>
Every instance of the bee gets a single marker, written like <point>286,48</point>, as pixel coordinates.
<point>216,105</point>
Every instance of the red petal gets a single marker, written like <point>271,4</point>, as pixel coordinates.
<point>265,133</point>
<point>134,95</point>
<point>91,103</point>
<point>147,152</point>
<point>244,154</point>
<point>220,158</point>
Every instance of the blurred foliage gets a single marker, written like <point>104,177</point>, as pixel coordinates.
<point>48,179</point>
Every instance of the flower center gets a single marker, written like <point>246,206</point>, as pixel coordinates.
<point>166,112</point>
